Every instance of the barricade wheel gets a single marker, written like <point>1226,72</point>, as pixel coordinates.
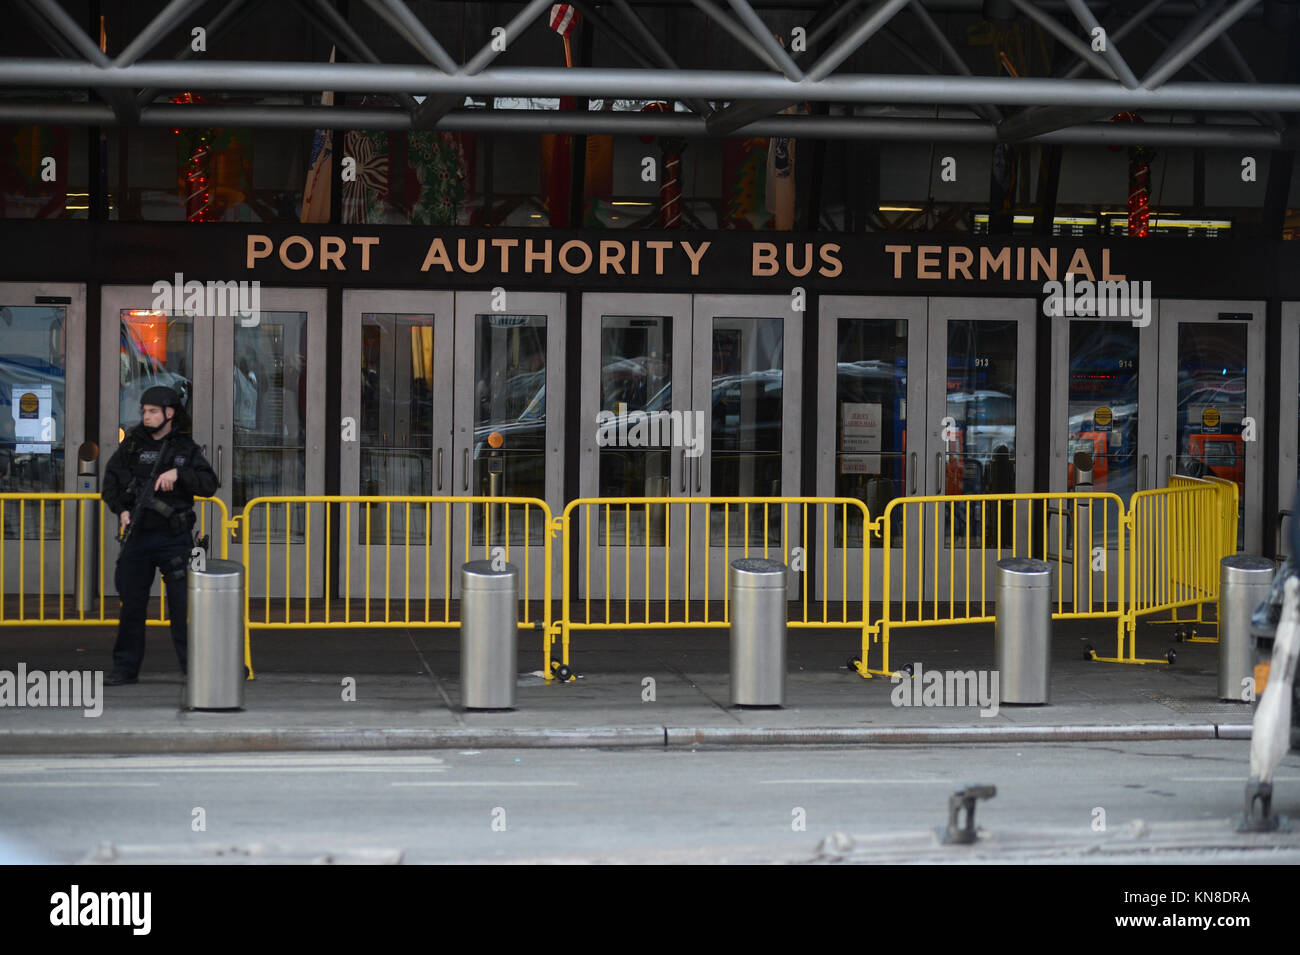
<point>907,668</point>
<point>1179,635</point>
<point>853,664</point>
<point>1087,652</point>
<point>1171,656</point>
<point>562,672</point>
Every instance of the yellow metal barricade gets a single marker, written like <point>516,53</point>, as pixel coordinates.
<point>47,578</point>
<point>347,561</point>
<point>644,563</point>
<point>941,555</point>
<point>1177,536</point>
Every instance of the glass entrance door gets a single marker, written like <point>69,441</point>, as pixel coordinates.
<point>1211,393</point>
<point>686,396</point>
<point>866,398</point>
<point>1289,423</point>
<point>979,408</point>
<point>636,360</point>
<point>254,388</point>
<point>448,395</point>
<point>42,374</point>
<point>1104,425</point>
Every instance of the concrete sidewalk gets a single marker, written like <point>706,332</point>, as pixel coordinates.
<point>407,694</point>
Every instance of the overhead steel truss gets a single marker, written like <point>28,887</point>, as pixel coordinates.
<point>1059,109</point>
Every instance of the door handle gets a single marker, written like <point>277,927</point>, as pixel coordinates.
<point>464,466</point>
<point>913,491</point>
<point>684,478</point>
<point>218,462</point>
<point>938,467</point>
<point>1169,468</point>
<point>697,470</point>
<point>1146,460</point>
<point>440,469</point>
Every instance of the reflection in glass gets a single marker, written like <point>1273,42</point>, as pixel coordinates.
<point>509,419</point>
<point>1212,404</point>
<point>870,415</point>
<point>397,389</point>
<point>157,348</point>
<point>980,445</point>
<point>1103,404</point>
<point>32,389</point>
<point>270,418</point>
<point>746,417</point>
<point>635,369</point>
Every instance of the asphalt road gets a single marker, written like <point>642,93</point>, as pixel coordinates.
<point>1162,801</point>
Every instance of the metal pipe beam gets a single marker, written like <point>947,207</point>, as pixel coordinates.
<point>158,27</point>
<point>766,40</point>
<point>234,76</point>
<point>554,121</point>
<point>987,113</point>
<point>58,20</point>
<point>517,25</point>
<point>991,113</point>
<point>1119,33</point>
<point>1180,59</point>
<point>1200,18</point>
<point>341,32</point>
<point>230,14</point>
<point>849,43</point>
<point>1264,119</point>
<point>1064,35</point>
<point>1110,46</point>
<point>656,49</point>
<point>408,26</point>
<point>741,36</point>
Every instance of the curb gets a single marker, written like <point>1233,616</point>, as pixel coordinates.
<point>55,742</point>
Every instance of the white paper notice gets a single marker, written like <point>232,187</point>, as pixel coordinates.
<point>861,432</point>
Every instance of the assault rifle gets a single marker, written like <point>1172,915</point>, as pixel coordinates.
<point>144,497</point>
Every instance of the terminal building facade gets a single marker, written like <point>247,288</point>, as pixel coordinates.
<point>946,261</point>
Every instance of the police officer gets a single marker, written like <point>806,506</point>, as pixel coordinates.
<point>150,483</point>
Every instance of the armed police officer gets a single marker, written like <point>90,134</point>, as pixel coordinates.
<point>150,483</point>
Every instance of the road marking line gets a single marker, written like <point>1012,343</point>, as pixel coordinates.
<point>504,783</point>
<point>71,783</point>
<point>852,782</point>
<point>1228,779</point>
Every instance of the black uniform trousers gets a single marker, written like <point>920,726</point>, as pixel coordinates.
<point>146,553</point>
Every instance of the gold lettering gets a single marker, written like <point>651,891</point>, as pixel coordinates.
<point>927,261</point>
<point>898,252</point>
<point>1020,263</point>
<point>437,255</point>
<point>259,247</point>
<point>543,256</point>
<point>366,242</point>
<point>1047,263</point>
<point>764,259</point>
<point>966,257</point>
<point>1106,274</point>
<point>505,245</point>
<point>331,252</point>
<point>611,256</point>
<point>799,271</point>
<point>695,256</point>
<point>479,261</point>
<point>564,256</point>
<point>833,266</point>
<point>1079,265</point>
<point>1000,261</point>
<point>659,248</point>
<point>294,240</point>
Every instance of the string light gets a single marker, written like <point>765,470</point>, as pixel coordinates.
<point>198,197</point>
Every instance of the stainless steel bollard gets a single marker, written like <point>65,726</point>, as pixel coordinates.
<point>489,635</point>
<point>1022,636</point>
<point>757,597</point>
<point>1244,583</point>
<point>215,636</point>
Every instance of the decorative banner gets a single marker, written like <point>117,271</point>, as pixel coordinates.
<point>419,178</point>
<point>320,167</point>
<point>744,163</point>
<point>780,180</point>
<point>670,173</point>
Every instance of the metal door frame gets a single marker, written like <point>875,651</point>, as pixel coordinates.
<point>1022,311</point>
<point>705,308</point>
<point>24,294</point>
<point>832,309</point>
<point>441,306</point>
<point>1170,314</point>
<point>596,306</point>
<point>1288,409</point>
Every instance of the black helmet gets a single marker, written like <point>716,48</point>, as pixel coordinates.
<point>161,396</point>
